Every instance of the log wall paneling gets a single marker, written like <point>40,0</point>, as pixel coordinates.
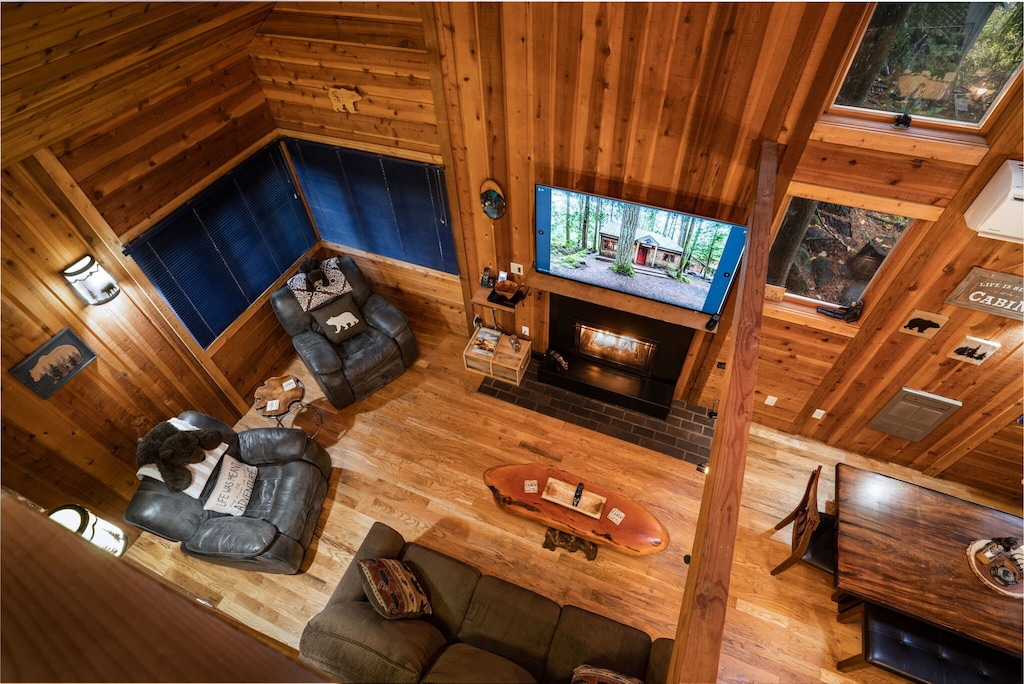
<point>80,443</point>
<point>303,50</point>
<point>110,56</point>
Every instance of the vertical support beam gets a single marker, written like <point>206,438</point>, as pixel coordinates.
<point>698,643</point>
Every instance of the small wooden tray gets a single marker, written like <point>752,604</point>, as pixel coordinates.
<point>562,494</point>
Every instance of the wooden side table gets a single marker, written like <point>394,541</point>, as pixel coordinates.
<point>282,395</point>
<point>505,363</point>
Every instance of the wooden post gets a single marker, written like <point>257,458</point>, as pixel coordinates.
<point>702,618</point>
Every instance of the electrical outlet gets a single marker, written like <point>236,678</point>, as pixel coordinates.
<point>770,400</point>
<point>517,269</point>
<point>526,331</point>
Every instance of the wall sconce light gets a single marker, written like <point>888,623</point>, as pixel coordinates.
<point>85,523</point>
<point>91,281</point>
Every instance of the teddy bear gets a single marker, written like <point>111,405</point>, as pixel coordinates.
<point>171,449</point>
<point>314,273</point>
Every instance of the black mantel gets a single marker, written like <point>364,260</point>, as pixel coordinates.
<point>650,395</point>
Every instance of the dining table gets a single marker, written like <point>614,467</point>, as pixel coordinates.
<point>904,546</point>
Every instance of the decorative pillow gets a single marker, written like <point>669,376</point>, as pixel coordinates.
<point>234,487</point>
<point>200,471</point>
<point>588,674</point>
<point>337,284</point>
<point>340,319</point>
<point>392,589</point>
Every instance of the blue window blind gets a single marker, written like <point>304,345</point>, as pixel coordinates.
<point>218,253</point>
<point>382,205</point>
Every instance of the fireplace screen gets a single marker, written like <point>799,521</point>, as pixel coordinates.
<point>615,349</point>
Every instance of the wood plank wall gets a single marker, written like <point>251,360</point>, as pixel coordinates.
<point>131,108</point>
<point>852,374</point>
<point>663,103</point>
<point>378,50</point>
<point>79,445</point>
<point>71,67</point>
<point>165,119</point>
<point>630,100</point>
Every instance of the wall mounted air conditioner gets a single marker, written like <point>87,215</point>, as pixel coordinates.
<point>998,212</point>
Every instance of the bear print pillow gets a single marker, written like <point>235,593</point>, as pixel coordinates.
<point>339,319</point>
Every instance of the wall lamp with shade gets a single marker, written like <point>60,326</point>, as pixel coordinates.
<point>91,281</point>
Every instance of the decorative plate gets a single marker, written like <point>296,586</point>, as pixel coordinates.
<point>997,568</point>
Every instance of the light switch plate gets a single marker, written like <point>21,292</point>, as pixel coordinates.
<point>516,269</point>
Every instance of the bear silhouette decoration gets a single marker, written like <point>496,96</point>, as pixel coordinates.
<point>921,325</point>
<point>342,321</point>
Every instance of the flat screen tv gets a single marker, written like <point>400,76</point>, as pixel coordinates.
<point>663,255</point>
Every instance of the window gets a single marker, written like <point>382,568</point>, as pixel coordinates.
<point>382,205</point>
<point>218,253</point>
<point>830,252</point>
<point>947,61</point>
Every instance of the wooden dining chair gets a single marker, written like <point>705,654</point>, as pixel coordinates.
<point>813,532</point>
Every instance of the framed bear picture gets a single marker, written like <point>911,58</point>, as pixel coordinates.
<point>46,369</point>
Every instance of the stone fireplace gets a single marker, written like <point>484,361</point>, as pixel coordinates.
<point>618,357</point>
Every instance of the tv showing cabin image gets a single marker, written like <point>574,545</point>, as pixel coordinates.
<point>667,256</point>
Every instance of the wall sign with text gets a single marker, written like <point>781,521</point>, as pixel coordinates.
<point>993,292</point>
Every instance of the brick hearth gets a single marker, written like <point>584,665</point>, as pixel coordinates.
<point>685,434</point>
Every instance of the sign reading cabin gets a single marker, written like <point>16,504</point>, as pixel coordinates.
<point>992,292</point>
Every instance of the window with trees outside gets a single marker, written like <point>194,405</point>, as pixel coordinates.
<point>945,60</point>
<point>830,252</point>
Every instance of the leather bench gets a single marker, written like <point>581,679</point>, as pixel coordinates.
<point>922,652</point>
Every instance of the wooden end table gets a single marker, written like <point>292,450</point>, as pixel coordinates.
<point>281,396</point>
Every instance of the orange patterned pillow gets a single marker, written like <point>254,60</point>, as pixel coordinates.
<point>392,589</point>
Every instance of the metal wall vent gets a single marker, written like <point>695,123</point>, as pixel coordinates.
<point>913,414</point>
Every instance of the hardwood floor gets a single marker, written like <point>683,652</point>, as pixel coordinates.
<point>413,456</point>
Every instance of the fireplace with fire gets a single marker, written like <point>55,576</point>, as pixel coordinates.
<point>618,357</point>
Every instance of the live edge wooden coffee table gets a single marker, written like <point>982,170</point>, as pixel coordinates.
<point>600,516</point>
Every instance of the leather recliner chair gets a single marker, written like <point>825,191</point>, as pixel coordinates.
<point>280,517</point>
<point>361,365</point>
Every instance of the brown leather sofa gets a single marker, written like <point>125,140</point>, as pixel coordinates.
<point>481,629</point>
